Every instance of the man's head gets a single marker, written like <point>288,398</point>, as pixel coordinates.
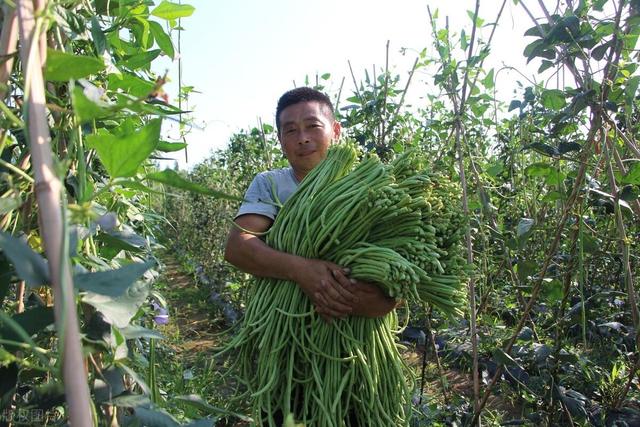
<point>306,128</point>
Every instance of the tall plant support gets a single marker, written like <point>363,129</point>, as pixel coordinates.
<point>48,189</point>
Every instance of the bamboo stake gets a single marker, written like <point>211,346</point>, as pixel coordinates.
<point>8,42</point>
<point>48,190</point>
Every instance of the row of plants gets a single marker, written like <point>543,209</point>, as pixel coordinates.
<point>80,212</point>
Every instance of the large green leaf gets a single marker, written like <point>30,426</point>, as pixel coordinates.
<point>111,283</point>
<point>30,266</point>
<point>162,39</point>
<point>169,11</point>
<point>131,84</point>
<point>119,310</point>
<point>173,179</point>
<point>122,155</point>
<point>553,99</point>
<point>62,66</point>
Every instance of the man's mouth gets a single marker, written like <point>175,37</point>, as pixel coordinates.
<point>306,153</point>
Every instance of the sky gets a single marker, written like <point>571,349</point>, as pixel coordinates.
<point>241,55</point>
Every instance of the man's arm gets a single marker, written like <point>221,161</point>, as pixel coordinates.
<point>322,281</point>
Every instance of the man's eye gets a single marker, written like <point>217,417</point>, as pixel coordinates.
<point>289,131</point>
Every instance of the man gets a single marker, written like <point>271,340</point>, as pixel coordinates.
<point>306,128</point>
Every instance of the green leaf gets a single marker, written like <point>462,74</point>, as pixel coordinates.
<point>555,177</point>
<point>552,291</point>
<point>495,170</point>
<point>544,65</point>
<point>633,175</point>
<point>173,179</point>
<point>140,60</point>
<point>62,66</point>
<point>154,417</point>
<point>135,185</point>
<point>539,169</point>
<point>169,11</point>
<point>99,40</point>
<point>553,99</point>
<point>8,204</point>
<point>169,147</point>
<point>598,52</point>
<point>630,90</point>
<point>131,84</point>
<point>552,196</point>
<point>135,331</point>
<point>119,310</point>
<point>122,155</point>
<point>524,226</point>
<point>515,104</point>
<point>162,39</point>
<point>85,109</point>
<point>6,275</point>
<point>112,283</point>
<point>488,80</point>
<point>30,266</point>
<point>325,76</point>
<point>32,321</point>
<point>123,240</point>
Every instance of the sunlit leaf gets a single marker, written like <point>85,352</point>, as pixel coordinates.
<point>168,147</point>
<point>633,175</point>
<point>62,66</point>
<point>162,39</point>
<point>538,169</point>
<point>122,155</point>
<point>168,10</point>
<point>553,99</point>
<point>173,179</point>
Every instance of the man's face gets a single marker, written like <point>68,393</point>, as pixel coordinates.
<point>306,132</point>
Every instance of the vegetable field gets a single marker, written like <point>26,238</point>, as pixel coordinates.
<point>509,227</point>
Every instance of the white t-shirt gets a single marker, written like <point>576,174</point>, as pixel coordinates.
<point>268,191</point>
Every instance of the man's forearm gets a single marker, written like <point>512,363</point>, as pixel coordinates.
<point>251,255</point>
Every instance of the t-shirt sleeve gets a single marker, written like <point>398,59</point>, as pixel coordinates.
<point>258,199</point>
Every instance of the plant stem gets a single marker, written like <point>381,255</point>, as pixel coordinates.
<point>48,189</point>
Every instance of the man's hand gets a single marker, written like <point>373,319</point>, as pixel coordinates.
<point>371,300</point>
<point>328,287</point>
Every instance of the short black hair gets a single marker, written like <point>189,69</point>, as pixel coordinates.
<point>301,94</point>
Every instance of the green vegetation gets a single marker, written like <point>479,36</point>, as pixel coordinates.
<point>549,184</point>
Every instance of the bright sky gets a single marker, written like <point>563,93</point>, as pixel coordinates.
<point>242,55</point>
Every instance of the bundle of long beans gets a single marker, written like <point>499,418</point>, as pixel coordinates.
<point>396,226</point>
